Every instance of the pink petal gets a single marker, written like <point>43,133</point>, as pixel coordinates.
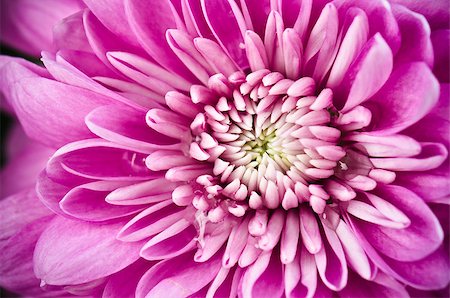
<point>123,283</point>
<point>331,262</point>
<point>16,259</point>
<point>264,277</point>
<point>151,221</point>
<point>173,241</point>
<point>150,32</point>
<point>409,94</point>
<point>19,21</point>
<point>60,102</point>
<point>422,237</point>
<point>99,159</point>
<point>228,26</point>
<point>366,76</point>
<point>126,126</point>
<point>415,30</point>
<point>63,257</point>
<point>177,277</point>
<point>87,202</point>
<point>112,15</point>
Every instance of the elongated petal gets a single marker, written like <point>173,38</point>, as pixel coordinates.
<point>177,277</point>
<point>409,94</point>
<point>61,256</point>
<point>423,236</point>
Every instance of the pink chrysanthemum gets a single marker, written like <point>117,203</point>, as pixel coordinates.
<point>237,148</point>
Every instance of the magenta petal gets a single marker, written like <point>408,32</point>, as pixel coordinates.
<point>150,32</point>
<point>436,12</point>
<point>16,259</point>
<point>409,94</point>
<point>39,98</point>
<point>11,71</point>
<point>112,15</point>
<point>99,159</point>
<point>228,26</point>
<point>264,277</point>
<point>381,286</point>
<point>416,44</point>
<point>256,13</point>
<point>177,277</point>
<point>432,272</point>
<point>441,46</point>
<point>21,209</point>
<point>422,237</point>
<point>123,283</point>
<point>331,262</point>
<point>367,74</point>
<point>66,257</point>
<point>27,25</point>
<point>126,126</point>
<point>87,202</point>
<point>26,160</point>
<point>432,186</point>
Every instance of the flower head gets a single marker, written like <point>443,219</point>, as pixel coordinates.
<point>251,148</point>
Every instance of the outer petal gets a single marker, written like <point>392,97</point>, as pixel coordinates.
<point>16,259</point>
<point>423,236</point>
<point>123,283</point>
<point>416,44</point>
<point>151,31</point>
<point>41,104</point>
<point>66,257</point>
<point>228,26</point>
<point>27,25</point>
<point>381,286</point>
<point>441,46</point>
<point>26,159</point>
<point>437,12</point>
<point>112,15</point>
<point>177,277</point>
<point>409,94</point>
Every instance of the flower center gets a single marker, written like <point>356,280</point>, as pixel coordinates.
<point>268,138</point>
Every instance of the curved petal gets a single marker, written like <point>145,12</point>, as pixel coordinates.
<point>39,98</point>
<point>150,32</point>
<point>126,126</point>
<point>441,46</point>
<point>123,283</point>
<point>367,74</point>
<point>264,278</point>
<point>331,262</point>
<point>228,26</point>
<point>422,237</point>
<point>151,221</point>
<point>416,44</point>
<point>100,159</point>
<point>16,259</point>
<point>87,202</point>
<point>432,185</point>
<point>409,94</point>
<point>177,277</point>
<point>27,25</point>
<point>436,12</point>
<point>381,286</point>
<point>21,209</point>
<point>112,15</point>
<point>173,241</point>
<point>63,257</point>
